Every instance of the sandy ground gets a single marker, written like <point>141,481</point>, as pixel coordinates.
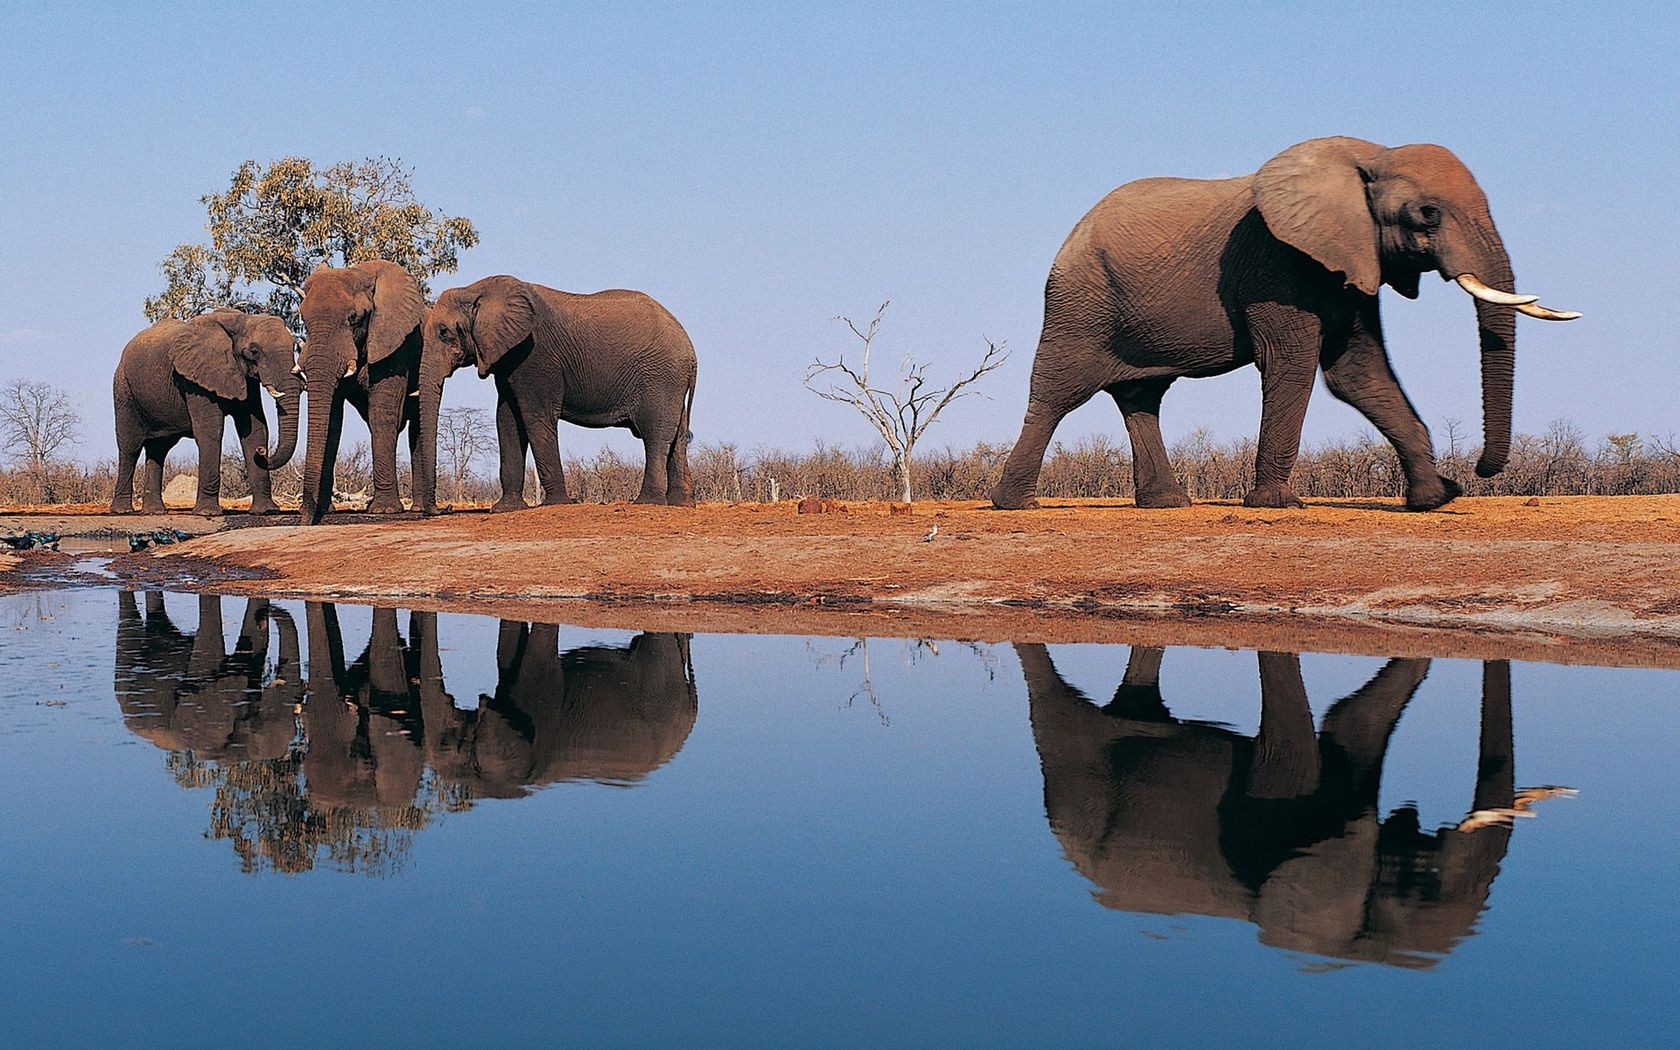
<point>1572,579</point>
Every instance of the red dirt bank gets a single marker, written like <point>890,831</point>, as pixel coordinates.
<point>1589,578</point>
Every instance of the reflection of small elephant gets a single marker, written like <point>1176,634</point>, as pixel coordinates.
<point>186,693</point>
<point>1182,278</point>
<point>364,348</point>
<point>611,359</point>
<point>597,712</point>
<point>186,379</point>
<point>1280,829</point>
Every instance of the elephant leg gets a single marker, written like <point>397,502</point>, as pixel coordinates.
<point>208,422</point>
<point>252,429</point>
<point>1285,760</point>
<point>151,498</point>
<point>130,442</point>
<point>1072,364</point>
<point>511,444</point>
<point>544,435</point>
<point>387,403</point>
<point>1286,341</point>
<point>1152,476</point>
<point>1138,697</point>
<point>657,436</point>
<point>1359,374</point>
<point>1356,730</point>
<point>679,483</point>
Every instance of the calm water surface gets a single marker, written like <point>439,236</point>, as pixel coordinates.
<point>231,822</point>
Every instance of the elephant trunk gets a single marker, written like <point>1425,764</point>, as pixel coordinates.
<point>318,459</point>
<point>1497,328</point>
<point>1479,263</point>
<point>286,409</point>
<point>434,369</point>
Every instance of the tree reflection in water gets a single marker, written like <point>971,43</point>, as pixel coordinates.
<point>351,761</point>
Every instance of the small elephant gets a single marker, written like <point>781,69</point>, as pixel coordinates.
<point>1172,278</point>
<point>1173,816</point>
<point>363,346</point>
<point>186,378</point>
<point>610,359</point>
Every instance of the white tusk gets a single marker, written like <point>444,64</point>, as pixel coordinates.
<point>297,370</point>
<point>1546,313</point>
<point>274,392</point>
<point>1468,282</point>
<point>348,372</point>
<point>414,393</point>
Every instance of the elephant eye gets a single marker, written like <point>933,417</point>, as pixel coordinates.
<point>1430,214</point>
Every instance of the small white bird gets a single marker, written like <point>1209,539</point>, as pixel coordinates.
<point>932,532</point>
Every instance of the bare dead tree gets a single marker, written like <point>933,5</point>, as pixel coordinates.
<point>463,436</point>
<point>902,414</point>
<point>36,421</point>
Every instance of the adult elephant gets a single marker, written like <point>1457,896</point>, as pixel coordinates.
<point>610,359</point>
<point>186,379</point>
<point>363,346</point>
<point>1281,829</point>
<point>1173,278</point>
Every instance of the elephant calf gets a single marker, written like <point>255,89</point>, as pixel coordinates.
<point>1182,278</point>
<point>181,378</point>
<point>611,359</point>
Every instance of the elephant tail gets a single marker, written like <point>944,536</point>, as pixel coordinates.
<point>684,434</point>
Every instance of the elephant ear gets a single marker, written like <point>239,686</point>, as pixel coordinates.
<point>398,307</point>
<point>504,317</point>
<point>202,351</point>
<point>1312,197</point>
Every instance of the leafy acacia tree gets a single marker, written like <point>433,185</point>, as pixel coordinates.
<point>900,413</point>
<point>273,227</point>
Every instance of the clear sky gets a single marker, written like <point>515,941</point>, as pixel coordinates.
<point>762,168</point>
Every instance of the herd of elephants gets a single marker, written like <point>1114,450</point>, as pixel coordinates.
<point>1161,814</point>
<point>1163,279</point>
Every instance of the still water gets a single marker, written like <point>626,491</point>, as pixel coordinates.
<point>233,822</point>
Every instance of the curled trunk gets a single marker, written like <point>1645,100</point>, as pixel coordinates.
<point>287,408</point>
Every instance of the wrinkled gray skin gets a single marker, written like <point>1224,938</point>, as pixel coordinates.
<point>1282,829</point>
<point>184,379</point>
<point>611,359</point>
<point>363,347</point>
<point>1173,278</point>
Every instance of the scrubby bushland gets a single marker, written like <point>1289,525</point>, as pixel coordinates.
<point>1558,462</point>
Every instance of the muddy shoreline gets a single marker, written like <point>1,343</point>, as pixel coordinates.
<point>1572,580</point>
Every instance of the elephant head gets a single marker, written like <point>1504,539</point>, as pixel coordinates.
<point>225,350</point>
<point>356,317</point>
<point>1386,216</point>
<point>479,324</point>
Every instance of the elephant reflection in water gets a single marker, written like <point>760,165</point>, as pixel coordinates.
<point>186,693</point>
<point>1281,829</point>
<point>338,761</point>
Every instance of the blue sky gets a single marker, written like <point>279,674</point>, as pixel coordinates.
<point>762,168</point>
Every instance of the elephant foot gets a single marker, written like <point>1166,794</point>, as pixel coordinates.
<point>386,506</point>
<point>1431,497</point>
<point>651,501</point>
<point>264,509</point>
<point>1276,496</point>
<point>208,510</point>
<point>504,506</point>
<point>123,508</point>
<point>679,501</point>
<point>1002,500</point>
<point>1162,499</point>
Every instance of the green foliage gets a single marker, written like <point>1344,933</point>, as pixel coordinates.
<point>273,227</point>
